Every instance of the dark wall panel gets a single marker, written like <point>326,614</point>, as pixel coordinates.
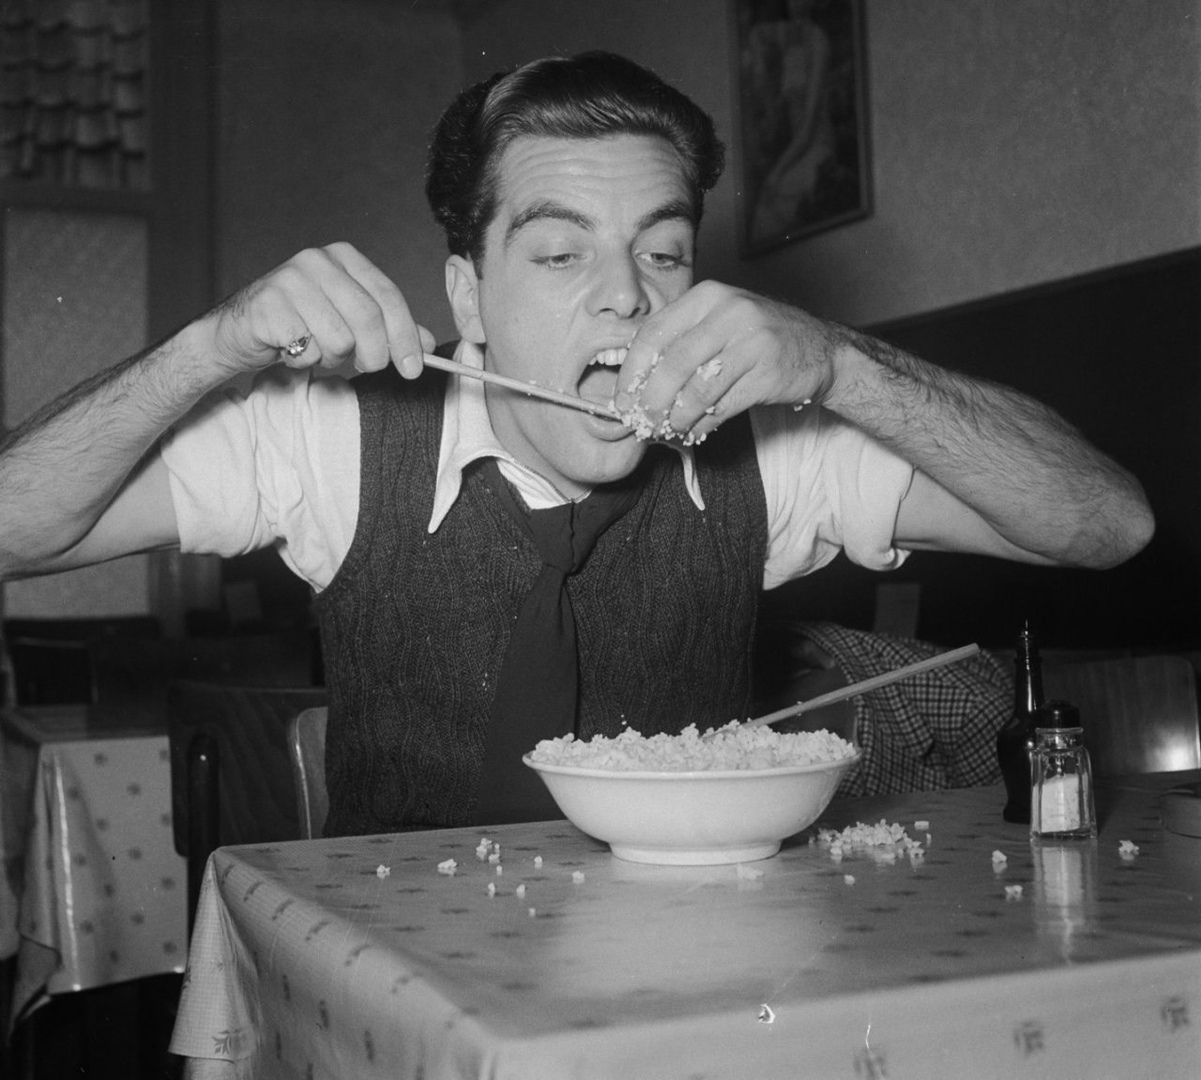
<point>1118,354</point>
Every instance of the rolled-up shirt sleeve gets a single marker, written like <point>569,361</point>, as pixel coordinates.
<point>277,465</point>
<point>829,488</point>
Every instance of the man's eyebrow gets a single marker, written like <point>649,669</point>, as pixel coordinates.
<point>676,210</point>
<point>547,210</point>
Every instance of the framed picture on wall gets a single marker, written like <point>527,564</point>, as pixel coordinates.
<point>802,118</point>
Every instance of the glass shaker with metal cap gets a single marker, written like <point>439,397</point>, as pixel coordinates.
<point>1061,803</point>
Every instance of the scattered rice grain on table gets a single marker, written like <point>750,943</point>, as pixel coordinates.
<point>884,840</point>
<point>733,746</point>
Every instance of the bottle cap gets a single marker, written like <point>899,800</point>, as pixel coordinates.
<point>1057,714</point>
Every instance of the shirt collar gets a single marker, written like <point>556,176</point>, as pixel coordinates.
<point>467,436</point>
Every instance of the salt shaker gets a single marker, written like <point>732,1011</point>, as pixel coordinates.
<point>1061,804</point>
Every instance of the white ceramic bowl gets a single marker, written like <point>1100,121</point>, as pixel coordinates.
<point>706,817</point>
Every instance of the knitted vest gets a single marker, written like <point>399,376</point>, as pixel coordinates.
<point>414,626</point>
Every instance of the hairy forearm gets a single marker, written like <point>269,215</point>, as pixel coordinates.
<point>61,468</point>
<point>1031,475</point>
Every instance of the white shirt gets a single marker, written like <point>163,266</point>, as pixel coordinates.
<point>829,487</point>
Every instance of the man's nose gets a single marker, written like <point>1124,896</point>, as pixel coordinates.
<point>619,289</point>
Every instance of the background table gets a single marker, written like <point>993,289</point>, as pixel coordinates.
<point>309,960</point>
<point>98,887</point>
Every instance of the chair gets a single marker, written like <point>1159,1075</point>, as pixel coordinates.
<point>231,772</point>
<point>306,747</point>
<point>1139,713</point>
<point>50,659</point>
<point>128,673</point>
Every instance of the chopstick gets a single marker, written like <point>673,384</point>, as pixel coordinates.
<point>557,396</point>
<point>874,683</point>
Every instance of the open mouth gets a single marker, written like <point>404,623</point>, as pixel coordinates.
<point>598,383</point>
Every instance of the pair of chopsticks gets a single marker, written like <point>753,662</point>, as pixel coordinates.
<point>867,685</point>
<point>557,396</point>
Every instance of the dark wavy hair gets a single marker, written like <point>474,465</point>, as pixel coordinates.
<point>588,96</point>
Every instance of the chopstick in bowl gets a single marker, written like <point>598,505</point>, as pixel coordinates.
<point>557,396</point>
<point>866,685</point>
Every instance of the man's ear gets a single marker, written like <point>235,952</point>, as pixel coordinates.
<point>463,292</point>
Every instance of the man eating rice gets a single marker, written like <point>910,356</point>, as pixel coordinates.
<point>490,568</point>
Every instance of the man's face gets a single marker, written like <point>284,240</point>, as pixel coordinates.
<point>590,237</point>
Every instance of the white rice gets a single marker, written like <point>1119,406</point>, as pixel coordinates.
<point>734,746</point>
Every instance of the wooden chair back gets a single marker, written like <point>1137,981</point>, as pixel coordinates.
<point>1139,713</point>
<point>306,747</point>
<point>231,772</point>
<point>50,658</point>
<point>139,673</point>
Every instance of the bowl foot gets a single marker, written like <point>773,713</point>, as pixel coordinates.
<point>704,857</point>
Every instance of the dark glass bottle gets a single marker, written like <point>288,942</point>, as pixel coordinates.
<point>1016,737</point>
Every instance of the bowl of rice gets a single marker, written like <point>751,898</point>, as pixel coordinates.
<point>731,795</point>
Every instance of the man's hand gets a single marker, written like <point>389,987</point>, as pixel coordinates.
<point>332,305</point>
<point>79,481</point>
<point>715,352</point>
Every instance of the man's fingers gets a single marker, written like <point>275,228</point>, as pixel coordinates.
<point>412,365</point>
<point>704,393</point>
<point>323,306</point>
<point>690,376</point>
<point>372,307</point>
<point>646,353</point>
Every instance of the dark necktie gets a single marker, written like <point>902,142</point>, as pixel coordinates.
<point>537,691</point>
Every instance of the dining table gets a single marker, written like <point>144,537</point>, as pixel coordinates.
<point>96,893</point>
<point>908,935</point>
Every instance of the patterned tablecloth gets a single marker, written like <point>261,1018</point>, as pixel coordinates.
<point>982,956</point>
<point>100,890</point>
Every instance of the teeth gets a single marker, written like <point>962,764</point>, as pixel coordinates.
<point>609,358</point>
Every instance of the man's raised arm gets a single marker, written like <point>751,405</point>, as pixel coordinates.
<point>80,482</point>
<point>998,473</point>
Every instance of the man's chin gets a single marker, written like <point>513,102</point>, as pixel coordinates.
<point>617,462</point>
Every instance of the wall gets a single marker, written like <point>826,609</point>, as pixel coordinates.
<point>324,114</point>
<point>1117,352</point>
<point>74,301</point>
<point>1014,142</point>
<point>90,276</point>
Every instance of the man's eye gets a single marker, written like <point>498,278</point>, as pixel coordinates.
<point>557,261</point>
<point>662,260</point>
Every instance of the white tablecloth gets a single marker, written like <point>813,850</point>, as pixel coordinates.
<point>101,892</point>
<point>1060,960</point>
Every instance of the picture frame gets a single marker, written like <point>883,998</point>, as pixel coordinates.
<point>802,123</point>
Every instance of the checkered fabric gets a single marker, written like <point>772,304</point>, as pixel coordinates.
<point>934,730</point>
